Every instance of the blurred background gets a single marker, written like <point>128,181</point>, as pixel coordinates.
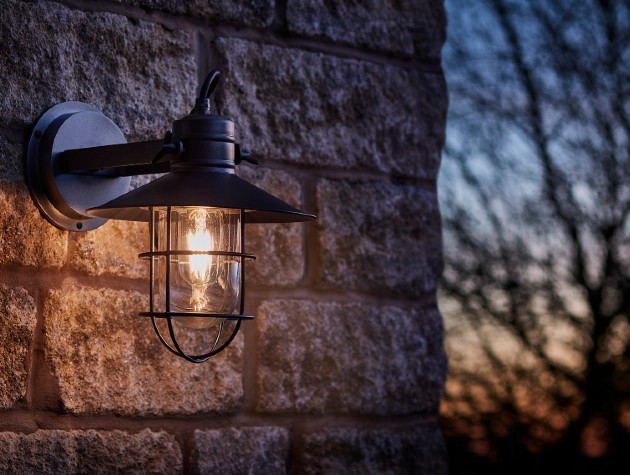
<point>535,196</point>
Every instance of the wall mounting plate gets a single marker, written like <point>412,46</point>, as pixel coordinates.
<point>64,198</point>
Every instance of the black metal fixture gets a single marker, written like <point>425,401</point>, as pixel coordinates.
<point>78,166</point>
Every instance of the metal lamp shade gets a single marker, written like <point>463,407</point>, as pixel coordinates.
<point>217,189</point>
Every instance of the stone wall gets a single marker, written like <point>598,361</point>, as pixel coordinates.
<point>342,370</point>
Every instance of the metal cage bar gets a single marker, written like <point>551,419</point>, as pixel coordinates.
<point>147,255</point>
<point>153,229</point>
<point>243,257</point>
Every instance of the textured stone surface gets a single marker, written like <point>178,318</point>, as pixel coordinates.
<point>11,161</point>
<point>408,27</point>
<point>347,450</point>
<point>258,13</point>
<point>113,249</point>
<point>17,324</point>
<point>320,110</point>
<point>109,360</point>
<point>25,236</point>
<point>106,60</point>
<point>279,248</point>
<point>357,358</point>
<point>379,238</point>
<point>320,120</point>
<point>54,451</point>
<point>246,450</point>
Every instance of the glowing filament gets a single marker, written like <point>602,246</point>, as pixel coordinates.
<point>198,238</point>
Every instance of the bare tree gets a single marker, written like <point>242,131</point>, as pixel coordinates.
<point>535,193</point>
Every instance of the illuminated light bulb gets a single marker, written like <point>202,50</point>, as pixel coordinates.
<point>198,239</point>
<point>202,282</point>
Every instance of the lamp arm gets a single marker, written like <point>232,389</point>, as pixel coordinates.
<point>128,159</point>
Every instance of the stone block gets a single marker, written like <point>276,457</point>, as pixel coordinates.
<point>26,238</point>
<point>409,29</point>
<point>379,237</point>
<point>108,359</point>
<point>243,450</point>
<point>113,249</point>
<point>353,358</point>
<point>48,452</point>
<point>413,451</point>
<point>11,161</point>
<point>18,316</point>
<point>325,111</point>
<point>279,248</point>
<point>257,13</point>
<point>107,60</point>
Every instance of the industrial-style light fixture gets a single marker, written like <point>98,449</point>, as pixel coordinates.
<point>78,166</point>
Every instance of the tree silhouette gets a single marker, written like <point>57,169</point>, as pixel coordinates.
<point>535,194</point>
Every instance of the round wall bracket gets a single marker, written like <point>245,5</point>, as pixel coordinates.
<point>63,198</point>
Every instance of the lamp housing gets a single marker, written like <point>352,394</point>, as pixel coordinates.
<point>78,166</point>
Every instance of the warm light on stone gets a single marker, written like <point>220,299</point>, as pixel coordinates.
<point>343,366</point>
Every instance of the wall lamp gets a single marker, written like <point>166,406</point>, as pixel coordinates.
<point>78,169</point>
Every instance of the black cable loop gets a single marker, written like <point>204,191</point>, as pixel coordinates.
<point>202,104</point>
<point>210,84</point>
